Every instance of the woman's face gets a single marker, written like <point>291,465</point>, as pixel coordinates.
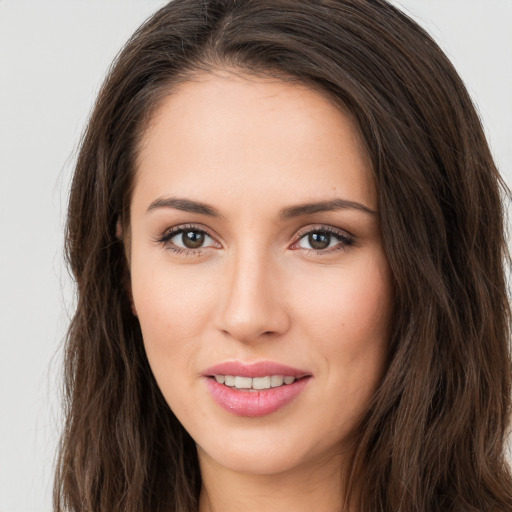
<point>255,255</point>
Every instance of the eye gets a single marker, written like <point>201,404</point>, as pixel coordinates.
<point>187,239</point>
<point>325,239</point>
<point>190,239</point>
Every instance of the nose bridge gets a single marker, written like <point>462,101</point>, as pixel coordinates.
<point>252,305</point>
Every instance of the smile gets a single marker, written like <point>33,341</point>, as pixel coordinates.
<point>255,383</point>
<point>255,389</point>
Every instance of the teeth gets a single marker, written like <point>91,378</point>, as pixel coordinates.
<point>261,382</point>
<point>229,380</point>
<point>276,381</point>
<point>243,382</point>
<point>267,382</point>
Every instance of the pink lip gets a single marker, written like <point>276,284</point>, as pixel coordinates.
<point>260,369</point>
<point>255,403</point>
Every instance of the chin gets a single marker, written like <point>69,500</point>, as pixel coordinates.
<point>255,462</point>
<point>261,454</point>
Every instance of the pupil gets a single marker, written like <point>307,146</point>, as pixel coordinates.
<point>193,239</point>
<point>319,240</point>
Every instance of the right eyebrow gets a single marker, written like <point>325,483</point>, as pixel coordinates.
<point>185,205</point>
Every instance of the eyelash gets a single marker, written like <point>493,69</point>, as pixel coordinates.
<point>345,240</point>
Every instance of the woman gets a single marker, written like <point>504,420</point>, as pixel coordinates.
<point>286,230</point>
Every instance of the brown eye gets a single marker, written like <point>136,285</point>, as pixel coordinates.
<point>187,238</point>
<point>323,239</point>
<point>192,239</point>
<point>319,241</point>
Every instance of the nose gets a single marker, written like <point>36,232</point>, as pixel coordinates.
<point>253,304</point>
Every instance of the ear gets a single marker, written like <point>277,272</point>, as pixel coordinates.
<point>127,281</point>
<point>119,229</point>
<point>128,288</point>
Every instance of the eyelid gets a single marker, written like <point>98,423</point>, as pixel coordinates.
<point>346,238</point>
<point>313,228</point>
<point>171,232</point>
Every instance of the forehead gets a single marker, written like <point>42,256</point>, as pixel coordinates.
<point>227,135</point>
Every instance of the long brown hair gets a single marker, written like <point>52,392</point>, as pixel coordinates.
<point>433,437</point>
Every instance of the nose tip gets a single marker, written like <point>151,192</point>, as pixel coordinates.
<point>253,307</point>
<point>248,328</point>
<point>247,331</point>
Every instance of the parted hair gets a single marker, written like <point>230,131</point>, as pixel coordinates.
<point>433,437</point>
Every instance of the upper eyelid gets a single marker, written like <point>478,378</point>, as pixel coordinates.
<point>324,227</point>
<point>175,230</point>
<point>180,228</point>
<point>344,238</point>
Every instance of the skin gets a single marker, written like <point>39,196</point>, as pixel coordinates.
<point>256,290</point>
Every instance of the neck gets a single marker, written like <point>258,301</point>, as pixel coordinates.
<point>317,487</point>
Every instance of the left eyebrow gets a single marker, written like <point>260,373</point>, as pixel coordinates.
<point>324,206</point>
<point>185,205</point>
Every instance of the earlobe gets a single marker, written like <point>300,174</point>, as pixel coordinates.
<point>127,280</point>
<point>130,298</point>
<point>119,230</point>
<point>128,287</point>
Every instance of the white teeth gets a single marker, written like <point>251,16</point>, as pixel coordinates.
<point>261,383</point>
<point>276,381</point>
<point>243,382</point>
<point>256,383</point>
<point>229,380</point>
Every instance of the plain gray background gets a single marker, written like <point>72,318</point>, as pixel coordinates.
<point>53,56</point>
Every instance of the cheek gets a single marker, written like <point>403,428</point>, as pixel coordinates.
<point>173,311</point>
<point>354,302</point>
<point>347,316</point>
<point>173,308</point>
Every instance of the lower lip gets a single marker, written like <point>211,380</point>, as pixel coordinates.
<point>254,403</point>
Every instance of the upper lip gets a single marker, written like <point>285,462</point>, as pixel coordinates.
<point>259,369</point>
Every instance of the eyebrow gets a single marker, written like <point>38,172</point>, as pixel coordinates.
<point>324,206</point>
<point>188,205</point>
<point>185,205</point>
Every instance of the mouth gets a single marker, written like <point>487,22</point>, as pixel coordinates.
<point>241,383</point>
<point>256,389</point>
